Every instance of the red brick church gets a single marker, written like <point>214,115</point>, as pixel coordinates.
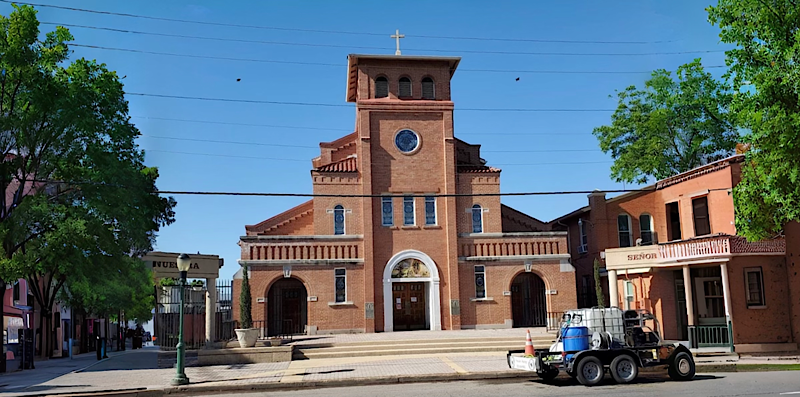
<point>415,249</point>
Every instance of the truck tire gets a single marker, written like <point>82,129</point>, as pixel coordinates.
<point>590,371</point>
<point>624,369</point>
<point>548,373</point>
<point>682,367</point>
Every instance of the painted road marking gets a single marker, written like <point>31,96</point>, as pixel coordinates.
<point>453,365</point>
<point>790,392</point>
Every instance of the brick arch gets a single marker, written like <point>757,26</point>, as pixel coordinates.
<point>531,309</point>
<point>432,283</point>
<point>277,311</point>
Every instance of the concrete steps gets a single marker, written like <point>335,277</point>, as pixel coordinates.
<point>404,347</point>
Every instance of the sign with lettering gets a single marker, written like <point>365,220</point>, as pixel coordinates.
<point>632,257</point>
<point>642,257</point>
<point>165,264</point>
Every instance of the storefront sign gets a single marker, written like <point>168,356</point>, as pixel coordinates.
<point>632,257</point>
<point>643,257</point>
<point>165,264</point>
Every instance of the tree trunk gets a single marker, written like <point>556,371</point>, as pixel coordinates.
<point>3,321</point>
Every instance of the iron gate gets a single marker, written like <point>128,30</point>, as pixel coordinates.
<point>166,321</point>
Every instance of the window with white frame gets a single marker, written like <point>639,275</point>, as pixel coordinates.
<point>477,219</point>
<point>646,229</point>
<point>408,211</point>
<point>754,283</point>
<point>624,229</point>
<point>430,210</point>
<point>584,247</point>
<point>340,276</point>
<point>387,211</point>
<point>629,295</point>
<point>480,282</point>
<point>338,220</point>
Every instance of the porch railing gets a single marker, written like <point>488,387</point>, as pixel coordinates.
<point>695,248</point>
<point>709,336</point>
<point>554,320</point>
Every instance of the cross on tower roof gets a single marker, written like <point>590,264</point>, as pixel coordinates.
<point>397,36</point>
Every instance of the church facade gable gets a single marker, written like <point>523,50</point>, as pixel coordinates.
<point>408,231</point>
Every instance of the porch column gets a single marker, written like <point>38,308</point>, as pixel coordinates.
<point>613,298</point>
<point>726,297</point>
<point>211,311</point>
<point>687,287</point>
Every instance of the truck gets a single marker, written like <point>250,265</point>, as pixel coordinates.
<point>594,341</point>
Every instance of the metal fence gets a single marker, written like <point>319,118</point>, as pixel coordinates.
<point>166,321</point>
<point>709,336</point>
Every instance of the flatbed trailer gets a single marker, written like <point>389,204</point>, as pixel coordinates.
<point>622,361</point>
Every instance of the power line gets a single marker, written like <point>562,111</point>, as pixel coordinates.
<point>231,142</point>
<point>345,129</point>
<point>241,124</point>
<point>257,101</point>
<point>299,160</point>
<point>211,193</point>
<point>317,147</point>
<point>335,31</point>
<point>223,155</point>
<point>343,66</point>
<point>182,36</point>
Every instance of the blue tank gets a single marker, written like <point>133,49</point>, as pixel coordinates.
<point>576,338</point>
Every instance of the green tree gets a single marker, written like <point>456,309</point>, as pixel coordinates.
<point>764,69</point>
<point>245,302</point>
<point>598,288</point>
<point>78,196</point>
<point>670,126</point>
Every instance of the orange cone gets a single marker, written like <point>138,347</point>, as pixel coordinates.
<point>528,344</point>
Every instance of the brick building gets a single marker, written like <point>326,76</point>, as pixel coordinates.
<point>674,251</point>
<point>416,254</point>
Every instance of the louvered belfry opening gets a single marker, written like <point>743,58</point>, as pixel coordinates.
<point>428,90</point>
<point>405,88</point>
<point>381,87</point>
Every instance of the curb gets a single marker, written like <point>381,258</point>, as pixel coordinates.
<point>276,386</point>
<point>736,368</point>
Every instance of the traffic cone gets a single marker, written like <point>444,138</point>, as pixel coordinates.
<point>528,344</point>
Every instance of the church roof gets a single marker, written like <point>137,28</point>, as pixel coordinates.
<point>353,59</point>
<point>477,168</point>
<point>347,165</point>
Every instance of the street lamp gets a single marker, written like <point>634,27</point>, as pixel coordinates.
<point>184,262</point>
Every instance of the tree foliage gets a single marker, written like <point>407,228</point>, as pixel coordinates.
<point>670,126</point>
<point>765,72</point>
<point>598,288</point>
<point>79,202</point>
<point>245,302</point>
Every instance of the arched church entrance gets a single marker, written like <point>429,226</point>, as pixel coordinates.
<point>287,307</point>
<point>528,301</point>
<point>411,293</point>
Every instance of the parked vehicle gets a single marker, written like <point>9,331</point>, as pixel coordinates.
<point>593,341</point>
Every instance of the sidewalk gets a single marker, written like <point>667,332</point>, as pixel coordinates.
<point>118,373</point>
<point>48,370</point>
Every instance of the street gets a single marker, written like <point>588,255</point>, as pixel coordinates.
<point>720,384</point>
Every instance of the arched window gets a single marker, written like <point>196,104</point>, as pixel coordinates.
<point>381,87</point>
<point>624,229</point>
<point>477,219</point>
<point>338,220</point>
<point>428,89</point>
<point>646,228</point>
<point>405,88</point>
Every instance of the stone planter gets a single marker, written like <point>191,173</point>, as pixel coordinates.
<point>275,341</point>
<point>247,337</point>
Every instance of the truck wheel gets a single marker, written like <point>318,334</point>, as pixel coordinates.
<point>590,371</point>
<point>624,369</point>
<point>549,373</point>
<point>682,367</point>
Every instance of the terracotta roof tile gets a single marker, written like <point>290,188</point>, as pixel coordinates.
<point>477,168</point>
<point>347,165</point>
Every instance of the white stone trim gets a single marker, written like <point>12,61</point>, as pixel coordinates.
<point>559,257</point>
<point>432,284</point>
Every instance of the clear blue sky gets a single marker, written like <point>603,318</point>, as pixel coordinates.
<point>213,224</point>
